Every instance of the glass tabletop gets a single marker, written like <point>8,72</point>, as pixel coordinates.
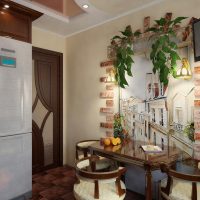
<point>131,149</point>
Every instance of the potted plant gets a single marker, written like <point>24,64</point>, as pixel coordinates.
<point>123,52</point>
<point>164,54</point>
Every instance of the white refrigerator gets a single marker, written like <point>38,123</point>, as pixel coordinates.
<point>15,119</point>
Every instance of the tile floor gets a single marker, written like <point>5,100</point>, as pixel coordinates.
<point>57,184</point>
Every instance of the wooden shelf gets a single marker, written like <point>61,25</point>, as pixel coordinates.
<point>16,21</point>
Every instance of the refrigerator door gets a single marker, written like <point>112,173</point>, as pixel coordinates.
<point>15,87</point>
<point>15,166</point>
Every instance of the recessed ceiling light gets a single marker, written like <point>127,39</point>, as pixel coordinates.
<point>85,6</point>
<point>6,6</point>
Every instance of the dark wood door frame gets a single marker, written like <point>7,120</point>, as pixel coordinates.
<point>60,94</point>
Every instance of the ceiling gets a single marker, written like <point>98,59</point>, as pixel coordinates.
<point>68,17</point>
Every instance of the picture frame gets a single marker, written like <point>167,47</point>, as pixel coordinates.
<point>196,39</point>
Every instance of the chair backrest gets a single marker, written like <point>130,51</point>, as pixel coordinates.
<point>194,179</point>
<point>82,146</point>
<point>85,169</point>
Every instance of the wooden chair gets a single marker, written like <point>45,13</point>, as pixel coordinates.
<point>82,149</point>
<point>179,186</point>
<point>98,185</point>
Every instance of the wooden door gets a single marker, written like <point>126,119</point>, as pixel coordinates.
<point>47,109</point>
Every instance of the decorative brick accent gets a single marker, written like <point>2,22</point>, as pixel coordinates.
<point>109,95</point>
<point>146,23</point>
<point>106,63</point>
<point>197,103</point>
<point>197,70</point>
<point>109,103</point>
<point>107,110</point>
<point>197,136</point>
<point>103,79</point>
<point>106,125</point>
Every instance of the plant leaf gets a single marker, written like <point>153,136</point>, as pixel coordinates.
<point>129,51</point>
<point>161,22</point>
<point>116,37</point>
<point>173,45</point>
<point>178,20</point>
<point>137,33</point>
<point>153,29</point>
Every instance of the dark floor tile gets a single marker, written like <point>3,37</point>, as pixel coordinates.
<point>57,184</point>
<point>46,179</point>
<point>53,193</point>
<point>68,196</point>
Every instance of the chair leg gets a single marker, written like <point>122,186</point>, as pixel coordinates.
<point>194,191</point>
<point>96,189</point>
<point>120,191</point>
<point>77,180</point>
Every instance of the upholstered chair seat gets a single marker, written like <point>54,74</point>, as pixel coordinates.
<point>179,186</point>
<point>180,189</point>
<point>93,184</point>
<point>107,191</point>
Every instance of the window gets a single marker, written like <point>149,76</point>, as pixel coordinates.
<point>161,117</point>
<point>153,115</point>
<point>154,138</point>
<point>179,115</point>
<point>145,128</point>
<point>161,89</point>
<point>162,143</point>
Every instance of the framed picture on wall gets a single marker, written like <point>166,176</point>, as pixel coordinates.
<point>196,39</point>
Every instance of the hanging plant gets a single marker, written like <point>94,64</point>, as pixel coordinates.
<point>122,46</point>
<point>164,54</point>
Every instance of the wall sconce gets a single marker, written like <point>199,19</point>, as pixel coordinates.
<point>184,71</point>
<point>111,76</point>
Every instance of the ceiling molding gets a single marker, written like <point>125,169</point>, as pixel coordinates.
<point>117,17</point>
<point>55,22</point>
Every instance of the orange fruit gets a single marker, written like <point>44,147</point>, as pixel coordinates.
<point>106,141</point>
<point>114,141</point>
<point>118,140</point>
<point>116,148</point>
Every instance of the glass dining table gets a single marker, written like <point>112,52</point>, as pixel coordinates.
<point>131,152</point>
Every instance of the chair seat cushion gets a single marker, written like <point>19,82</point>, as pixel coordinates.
<point>107,191</point>
<point>181,190</point>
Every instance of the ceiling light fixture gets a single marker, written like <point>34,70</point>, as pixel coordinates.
<point>6,6</point>
<point>85,6</point>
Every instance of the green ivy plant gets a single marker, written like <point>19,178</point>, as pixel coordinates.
<point>164,54</point>
<point>122,45</point>
<point>189,131</point>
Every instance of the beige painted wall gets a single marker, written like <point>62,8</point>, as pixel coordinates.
<point>50,41</point>
<point>84,53</point>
